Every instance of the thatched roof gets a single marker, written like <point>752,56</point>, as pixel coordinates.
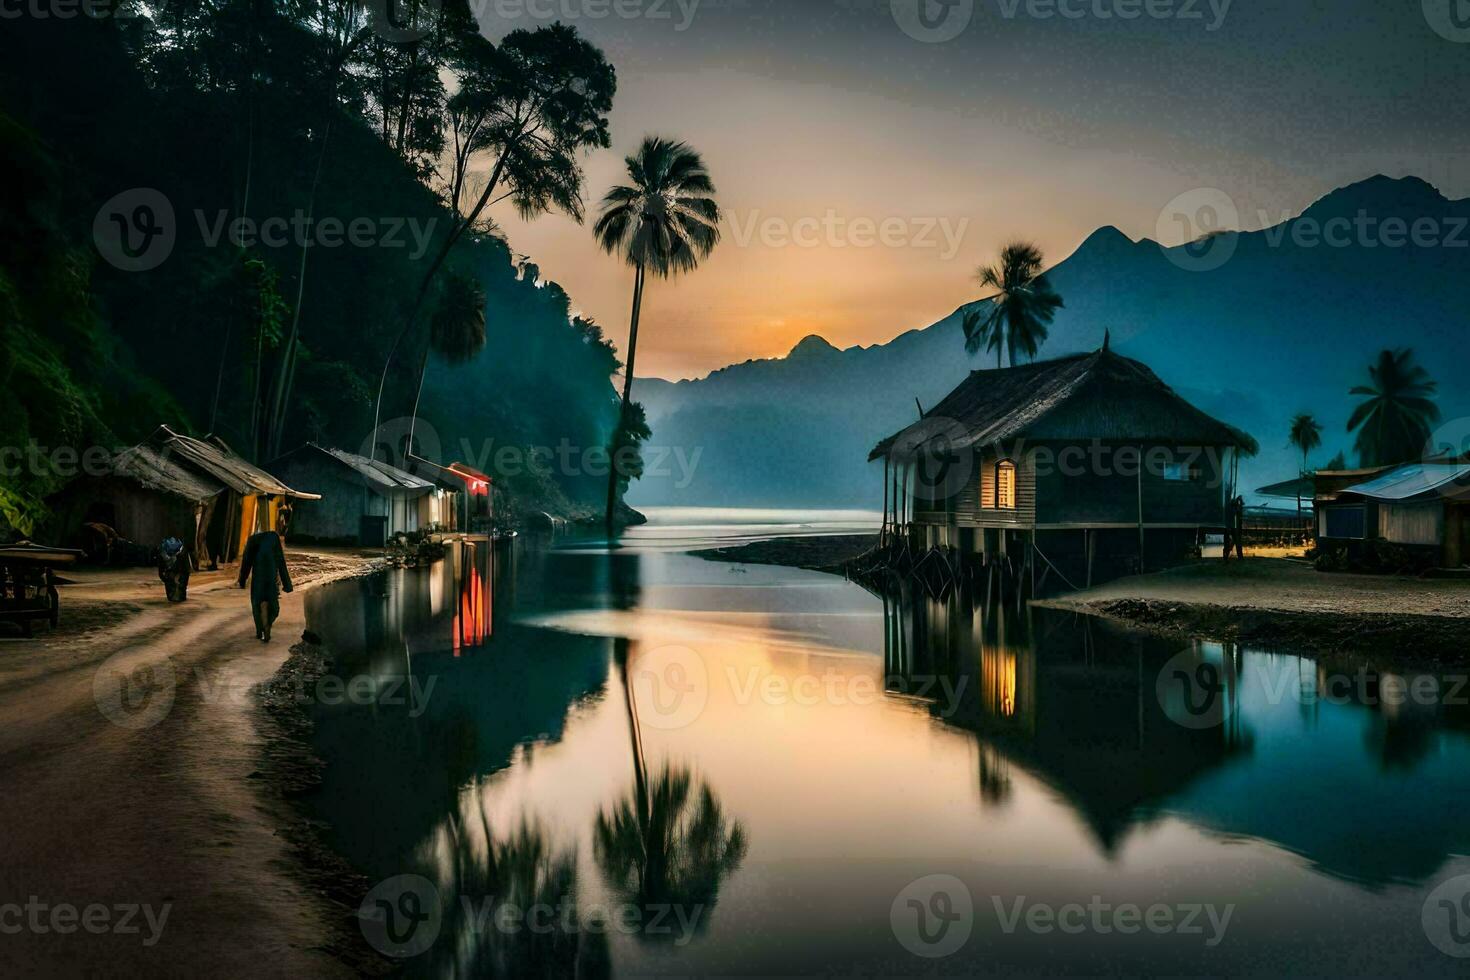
<point>213,458</point>
<point>376,474</point>
<point>148,468</point>
<point>1101,395</point>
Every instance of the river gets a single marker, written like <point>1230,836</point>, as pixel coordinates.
<point>632,760</point>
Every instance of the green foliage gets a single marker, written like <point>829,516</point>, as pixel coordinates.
<point>225,107</point>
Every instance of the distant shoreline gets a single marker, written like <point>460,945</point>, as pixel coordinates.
<point>819,553</point>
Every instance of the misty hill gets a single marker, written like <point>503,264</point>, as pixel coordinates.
<point>1288,323</point>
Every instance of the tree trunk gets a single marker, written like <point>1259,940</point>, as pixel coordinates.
<point>612,470</point>
<point>428,280</point>
<point>287,374</point>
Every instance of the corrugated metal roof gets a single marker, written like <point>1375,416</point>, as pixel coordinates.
<point>378,473</point>
<point>1413,480</point>
<point>216,459</point>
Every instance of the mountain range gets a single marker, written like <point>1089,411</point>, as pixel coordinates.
<point>1288,322</point>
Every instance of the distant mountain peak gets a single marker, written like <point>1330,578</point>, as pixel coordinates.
<point>1108,236</point>
<point>1380,194</point>
<point>812,346</point>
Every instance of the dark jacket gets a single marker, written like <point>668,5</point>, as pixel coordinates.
<point>267,559</point>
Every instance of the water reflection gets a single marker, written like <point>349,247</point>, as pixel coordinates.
<point>850,743</point>
<point>1312,756</point>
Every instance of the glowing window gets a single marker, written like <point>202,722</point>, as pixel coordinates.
<point>1005,485</point>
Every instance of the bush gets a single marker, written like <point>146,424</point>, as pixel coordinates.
<point>1373,557</point>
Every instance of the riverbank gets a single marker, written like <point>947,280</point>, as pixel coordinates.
<point>1273,603</point>
<point>133,756</point>
<point>821,553</point>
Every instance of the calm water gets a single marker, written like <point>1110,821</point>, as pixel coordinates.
<point>691,767</point>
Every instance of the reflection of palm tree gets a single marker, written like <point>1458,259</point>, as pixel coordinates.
<point>523,876</point>
<point>669,845</point>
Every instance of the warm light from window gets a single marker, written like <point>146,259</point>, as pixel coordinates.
<point>1005,485</point>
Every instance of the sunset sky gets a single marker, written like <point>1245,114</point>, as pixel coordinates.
<point>902,164</point>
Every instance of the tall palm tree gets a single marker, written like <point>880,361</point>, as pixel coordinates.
<point>456,333</point>
<point>1023,306</point>
<point>1306,435</point>
<point>1394,420</point>
<point>664,222</point>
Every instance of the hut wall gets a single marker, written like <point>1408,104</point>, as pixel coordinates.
<point>337,517</point>
<point>137,513</point>
<point>980,508</point>
<point>1416,523</point>
<point>1074,489</point>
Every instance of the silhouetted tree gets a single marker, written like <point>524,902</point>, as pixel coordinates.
<point>1022,308</point>
<point>1394,419</point>
<point>1306,435</point>
<point>665,222</point>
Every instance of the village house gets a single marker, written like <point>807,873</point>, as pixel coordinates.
<point>1089,465</point>
<point>364,501</point>
<point>173,485</point>
<point>1424,507</point>
<point>143,496</point>
<point>469,501</point>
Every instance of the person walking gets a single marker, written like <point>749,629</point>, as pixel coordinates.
<point>264,564</point>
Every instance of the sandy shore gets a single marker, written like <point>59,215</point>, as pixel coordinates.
<point>1286,604</point>
<point>131,752</point>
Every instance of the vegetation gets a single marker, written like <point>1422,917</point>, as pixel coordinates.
<point>241,112</point>
<point>1393,421</point>
<point>1306,435</point>
<point>1020,311</point>
<point>665,222</point>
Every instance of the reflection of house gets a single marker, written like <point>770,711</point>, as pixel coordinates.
<point>470,508</point>
<point>364,501</point>
<point>1084,457</point>
<point>1418,505</point>
<point>144,496</point>
<point>253,497</point>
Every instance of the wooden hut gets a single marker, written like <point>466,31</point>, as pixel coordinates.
<point>144,496</point>
<point>1420,506</point>
<point>1088,465</point>
<point>253,498</point>
<point>364,501</point>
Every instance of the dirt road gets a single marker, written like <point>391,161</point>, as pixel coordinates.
<point>136,840</point>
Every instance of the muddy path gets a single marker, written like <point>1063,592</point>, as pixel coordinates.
<point>140,838</point>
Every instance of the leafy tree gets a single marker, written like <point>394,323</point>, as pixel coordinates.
<point>666,222</point>
<point>1022,308</point>
<point>548,93</point>
<point>1394,419</point>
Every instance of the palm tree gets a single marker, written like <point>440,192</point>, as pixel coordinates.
<point>1394,420</point>
<point>456,333</point>
<point>665,222</point>
<point>1306,435</point>
<point>1023,306</point>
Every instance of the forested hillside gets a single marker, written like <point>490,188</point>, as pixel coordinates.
<point>222,215</point>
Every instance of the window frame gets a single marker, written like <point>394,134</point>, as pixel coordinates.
<point>1002,466</point>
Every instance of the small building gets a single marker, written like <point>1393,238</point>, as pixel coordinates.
<point>468,502</point>
<point>253,499</point>
<point>143,496</point>
<point>364,501</point>
<point>1089,465</point>
<point>1421,506</point>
